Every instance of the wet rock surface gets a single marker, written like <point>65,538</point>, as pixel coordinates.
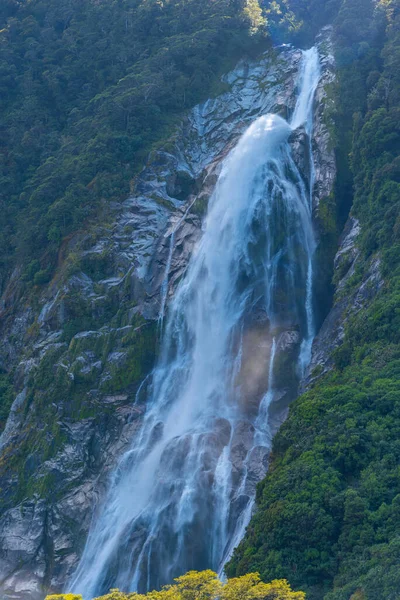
<point>75,352</point>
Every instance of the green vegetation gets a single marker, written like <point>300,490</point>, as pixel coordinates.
<point>299,20</point>
<point>60,391</point>
<point>330,506</point>
<point>6,398</point>
<point>328,511</point>
<point>86,90</point>
<point>205,585</point>
<point>63,597</point>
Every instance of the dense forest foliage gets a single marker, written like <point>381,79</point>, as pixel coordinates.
<point>205,585</point>
<point>86,89</point>
<point>328,514</point>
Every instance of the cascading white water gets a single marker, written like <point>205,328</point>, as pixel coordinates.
<point>182,496</point>
<point>309,82</point>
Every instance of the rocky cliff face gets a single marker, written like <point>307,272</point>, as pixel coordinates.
<point>82,350</point>
<point>347,302</point>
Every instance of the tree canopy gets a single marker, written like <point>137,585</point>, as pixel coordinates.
<point>86,89</point>
<point>205,585</point>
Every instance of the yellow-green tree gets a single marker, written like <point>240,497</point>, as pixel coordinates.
<point>250,587</point>
<point>254,13</point>
<point>64,597</point>
<point>205,585</point>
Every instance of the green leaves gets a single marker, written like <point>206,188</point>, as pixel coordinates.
<point>205,585</point>
<point>86,89</point>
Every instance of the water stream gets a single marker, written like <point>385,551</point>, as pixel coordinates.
<point>182,495</point>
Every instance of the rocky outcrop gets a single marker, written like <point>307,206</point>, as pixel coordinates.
<point>348,300</point>
<point>322,144</point>
<point>82,350</point>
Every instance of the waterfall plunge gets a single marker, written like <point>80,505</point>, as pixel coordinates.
<point>182,496</point>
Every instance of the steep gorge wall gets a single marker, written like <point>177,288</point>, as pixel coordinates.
<point>82,353</point>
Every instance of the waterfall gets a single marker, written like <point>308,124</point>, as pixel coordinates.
<point>303,116</point>
<point>182,495</point>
